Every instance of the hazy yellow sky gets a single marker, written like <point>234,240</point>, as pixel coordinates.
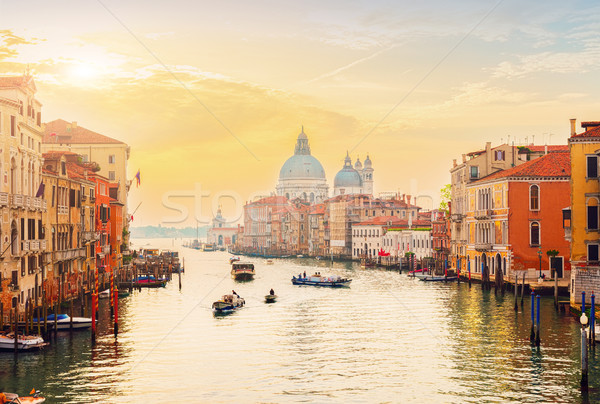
<point>413,85</point>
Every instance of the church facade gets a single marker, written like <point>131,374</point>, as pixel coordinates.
<point>354,180</point>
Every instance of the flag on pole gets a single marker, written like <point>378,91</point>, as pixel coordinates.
<point>138,178</point>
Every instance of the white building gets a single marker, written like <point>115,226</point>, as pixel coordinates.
<point>368,236</point>
<point>221,233</point>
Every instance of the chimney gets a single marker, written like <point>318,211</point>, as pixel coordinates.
<point>408,199</point>
<point>464,158</point>
<point>546,149</point>
<point>454,163</point>
<point>573,124</point>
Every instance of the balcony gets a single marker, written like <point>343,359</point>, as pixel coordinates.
<point>34,245</point>
<point>483,246</point>
<point>63,210</point>
<point>73,253</point>
<point>457,217</point>
<point>90,236</point>
<point>28,202</point>
<point>25,246</point>
<point>106,249</point>
<point>13,288</point>
<point>17,201</point>
<point>483,214</point>
<point>3,199</point>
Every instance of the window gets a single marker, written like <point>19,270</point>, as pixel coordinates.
<point>592,166</point>
<point>111,175</point>
<point>13,125</point>
<point>592,252</point>
<point>592,214</point>
<point>111,159</point>
<point>534,197</point>
<point>474,172</point>
<point>499,155</point>
<point>534,232</point>
<point>63,168</point>
<point>84,158</point>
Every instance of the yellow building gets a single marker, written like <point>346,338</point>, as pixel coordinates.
<point>70,222</point>
<point>21,227</point>
<point>581,221</point>
<point>110,154</point>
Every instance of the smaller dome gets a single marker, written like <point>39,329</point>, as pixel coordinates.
<point>368,163</point>
<point>302,135</point>
<point>347,177</point>
<point>358,165</point>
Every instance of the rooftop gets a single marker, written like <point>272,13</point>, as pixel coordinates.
<point>71,133</point>
<point>557,164</point>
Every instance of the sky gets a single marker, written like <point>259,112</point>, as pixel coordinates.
<point>212,95</point>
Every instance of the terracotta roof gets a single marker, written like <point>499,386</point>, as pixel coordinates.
<point>556,164</point>
<point>77,135</point>
<point>15,81</point>
<point>551,148</point>
<point>318,209</point>
<point>593,132</point>
<point>270,200</point>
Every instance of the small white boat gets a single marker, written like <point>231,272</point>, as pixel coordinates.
<point>63,322</point>
<point>242,271</point>
<point>24,342</point>
<point>228,304</point>
<point>12,398</point>
<point>233,259</point>
<point>269,262</point>
<point>105,294</point>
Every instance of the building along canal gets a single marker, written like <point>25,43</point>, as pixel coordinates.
<point>386,338</point>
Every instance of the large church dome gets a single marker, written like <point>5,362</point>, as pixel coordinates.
<point>301,166</point>
<point>302,175</point>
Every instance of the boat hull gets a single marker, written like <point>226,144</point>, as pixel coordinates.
<point>431,278</point>
<point>242,276</point>
<point>270,298</point>
<point>331,284</point>
<point>30,343</point>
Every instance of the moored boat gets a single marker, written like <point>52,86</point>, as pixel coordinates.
<point>242,271</point>
<point>12,398</point>
<point>228,304</point>
<point>24,342</point>
<point>105,294</point>
<point>318,280</point>
<point>63,322</point>
<point>436,278</point>
<point>233,259</point>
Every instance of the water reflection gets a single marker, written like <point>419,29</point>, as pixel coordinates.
<point>386,338</point>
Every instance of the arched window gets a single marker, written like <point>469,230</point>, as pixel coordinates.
<point>534,197</point>
<point>534,233</point>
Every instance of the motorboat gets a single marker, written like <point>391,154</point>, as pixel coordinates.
<point>227,304</point>
<point>270,298</point>
<point>105,294</point>
<point>319,280</point>
<point>269,262</point>
<point>12,398</point>
<point>63,322</point>
<point>242,271</point>
<point>233,259</point>
<point>24,342</point>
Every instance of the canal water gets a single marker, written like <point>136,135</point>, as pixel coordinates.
<point>386,338</point>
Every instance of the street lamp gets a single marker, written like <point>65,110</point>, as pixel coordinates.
<point>539,252</point>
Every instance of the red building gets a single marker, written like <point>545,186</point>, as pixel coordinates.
<point>515,220</point>
<point>440,238</point>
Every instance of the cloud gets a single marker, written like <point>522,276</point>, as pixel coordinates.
<point>9,42</point>
<point>159,35</point>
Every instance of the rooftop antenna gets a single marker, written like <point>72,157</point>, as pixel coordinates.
<point>532,139</point>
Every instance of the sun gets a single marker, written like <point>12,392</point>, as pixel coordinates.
<point>84,71</point>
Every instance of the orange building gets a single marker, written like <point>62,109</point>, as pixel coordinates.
<point>514,217</point>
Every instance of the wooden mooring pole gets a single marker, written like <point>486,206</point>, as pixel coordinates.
<point>516,290</point>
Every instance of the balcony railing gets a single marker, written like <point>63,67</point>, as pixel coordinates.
<point>3,198</point>
<point>483,214</point>
<point>69,254</point>
<point>483,246</point>
<point>457,217</point>
<point>90,235</point>
<point>17,200</point>
<point>34,245</point>
<point>25,245</point>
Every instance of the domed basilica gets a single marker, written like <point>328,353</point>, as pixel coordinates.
<point>302,176</point>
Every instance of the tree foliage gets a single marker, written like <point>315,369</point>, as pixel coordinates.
<point>445,194</point>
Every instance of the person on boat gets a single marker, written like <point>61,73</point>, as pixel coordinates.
<point>305,274</point>
<point>234,292</point>
<point>272,292</point>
